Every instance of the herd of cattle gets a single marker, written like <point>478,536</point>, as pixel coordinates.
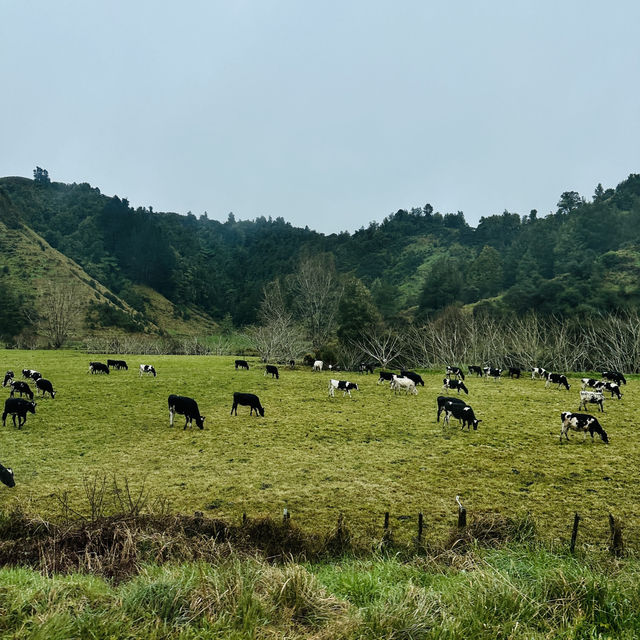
<point>592,392</point>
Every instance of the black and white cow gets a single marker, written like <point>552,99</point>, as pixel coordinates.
<point>400,383</point>
<point>17,407</point>
<point>98,367</point>
<point>581,422</point>
<point>474,368</point>
<point>491,372</point>
<point>454,371</point>
<point>117,364</point>
<point>147,368</point>
<point>8,377</point>
<point>31,373</point>
<point>463,413</point>
<point>247,400</point>
<point>538,372</point>
<point>613,388</point>
<point>558,378</point>
<point>342,385</point>
<point>186,407</point>
<point>591,383</point>
<point>412,375</point>
<point>385,376</point>
<point>448,383</point>
<point>21,387</point>
<point>44,386</point>
<point>514,372</point>
<point>273,370</point>
<point>6,476</point>
<point>442,401</point>
<point>242,364</point>
<point>366,367</point>
<point>614,376</point>
<point>591,397</point>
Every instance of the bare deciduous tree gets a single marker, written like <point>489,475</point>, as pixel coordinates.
<point>382,345</point>
<point>60,312</point>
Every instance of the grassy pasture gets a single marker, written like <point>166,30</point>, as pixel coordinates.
<point>319,456</point>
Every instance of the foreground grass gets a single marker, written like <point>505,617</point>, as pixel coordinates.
<point>319,457</point>
<point>509,593</point>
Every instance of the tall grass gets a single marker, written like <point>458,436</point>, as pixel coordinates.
<point>518,592</point>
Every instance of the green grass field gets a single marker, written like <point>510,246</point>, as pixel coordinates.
<point>318,456</point>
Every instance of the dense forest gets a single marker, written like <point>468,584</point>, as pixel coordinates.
<point>583,259</point>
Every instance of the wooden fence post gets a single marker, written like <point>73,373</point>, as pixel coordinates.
<point>574,533</point>
<point>617,546</point>
<point>420,527</point>
<point>462,514</point>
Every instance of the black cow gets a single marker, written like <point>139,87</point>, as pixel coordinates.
<point>385,376</point>
<point>98,367</point>
<point>514,372</point>
<point>17,407</point>
<point>442,401</point>
<point>147,368</point>
<point>463,413</point>
<point>558,378</point>
<point>292,364</point>
<point>44,386</point>
<point>448,383</point>
<point>8,377</point>
<point>6,476</point>
<point>117,364</point>
<point>273,370</point>
<point>186,407</point>
<point>491,372</point>
<point>473,368</point>
<point>614,376</point>
<point>416,377</point>
<point>454,371</point>
<point>366,367</point>
<point>581,422</point>
<point>247,400</point>
<point>22,388</point>
<point>242,364</point>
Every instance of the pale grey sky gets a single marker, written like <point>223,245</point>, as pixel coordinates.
<point>330,114</point>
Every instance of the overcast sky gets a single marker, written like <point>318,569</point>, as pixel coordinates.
<point>329,114</point>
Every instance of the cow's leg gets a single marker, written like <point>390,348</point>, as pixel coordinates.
<point>4,419</point>
<point>171,415</point>
<point>187,421</point>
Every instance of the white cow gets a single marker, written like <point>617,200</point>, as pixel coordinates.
<point>400,383</point>
<point>317,365</point>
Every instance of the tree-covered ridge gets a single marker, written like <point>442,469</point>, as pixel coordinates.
<point>583,258</point>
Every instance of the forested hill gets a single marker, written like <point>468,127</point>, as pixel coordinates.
<point>581,259</point>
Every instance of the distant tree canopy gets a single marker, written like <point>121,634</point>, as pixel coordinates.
<point>415,263</point>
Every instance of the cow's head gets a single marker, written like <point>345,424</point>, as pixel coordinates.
<point>261,410</point>
<point>475,424</point>
<point>31,407</point>
<point>200,421</point>
<point>6,476</point>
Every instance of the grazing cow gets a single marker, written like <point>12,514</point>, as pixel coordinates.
<point>614,376</point>
<point>581,422</point>
<point>400,383</point>
<point>317,365</point>
<point>22,388</point>
<point>613,388</point>
<point>448,383</point>
<point>366,367</point>
<point>385,376</point>
<point>442,401</point>
<point>273,370</point>
<point>454,371</point>
<point>292,364</point>
<point>558,378</point>
<point>117,364</point>
<point>514,372</point>
<point>17,407</point>
<point>8,377</point>
<point>473,368</point>
<point>98,367</point>
<point>463,413</point>
<point>6,476</point>
<point>591,383</point>
<point>187,407</point>
<point>490,372</point>
<point>591,397</point>
<point>342,385</point>
<point>44,386</point>
<point>31,373</point>
<point>247,400</point>
<point>147,368</point>
<point>242,364</point>
<point>416,377</point>
<point>538,372</point>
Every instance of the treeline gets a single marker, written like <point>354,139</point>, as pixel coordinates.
<point>581,260</point>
